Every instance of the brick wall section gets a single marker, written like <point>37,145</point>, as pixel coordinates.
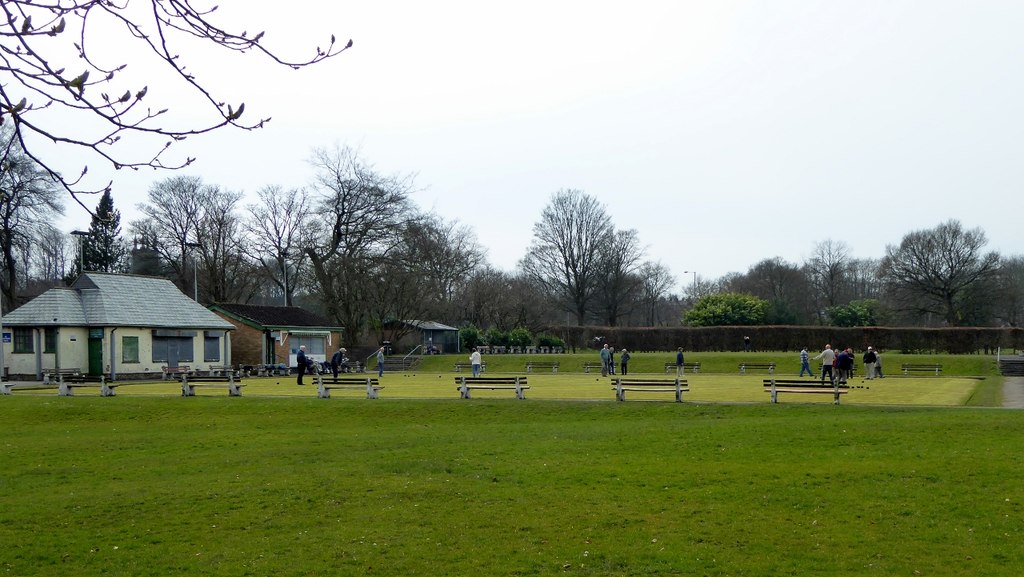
<point>245,343</point>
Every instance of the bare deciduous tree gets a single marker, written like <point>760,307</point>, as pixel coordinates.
<point>618,281</point>
<point>565,253</point>
<point>362,215</point>
<point>276,224</point>
<point>828,271</point>
<point>932,271</point>
<point>656,282</point>
<point>53,69</point>
<point>29,199</point>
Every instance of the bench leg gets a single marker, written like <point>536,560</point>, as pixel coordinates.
<point>106,390</point>
<point>64,390</point>
<point>323,392</point>
<point>5,388</point>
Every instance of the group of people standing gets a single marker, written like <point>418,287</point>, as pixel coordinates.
<point>608,361</point>
<point>839,366</point>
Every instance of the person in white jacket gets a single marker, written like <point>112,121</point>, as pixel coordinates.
<point>474,359</point>
<point>827,356</point>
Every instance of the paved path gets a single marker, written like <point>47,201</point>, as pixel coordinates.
<point>1013,392</point>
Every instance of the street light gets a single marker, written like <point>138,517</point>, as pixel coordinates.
<point>195,270</point>
<point>81,234</point>
<point>694,273</point>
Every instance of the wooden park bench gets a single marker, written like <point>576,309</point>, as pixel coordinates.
<point>623,385</point>
<point>272,371</point>
<point>553,365</point>
<point>776,386</point>
<point>469,367</point>
<point>918,368</point>
<point>57,376</point>
<point>770,367</point>
<point>467,384</point>
<point>8,388</point>
<point>324,386</point>
<point>220,370</point>
<point>66,386</point>
<point>588,366</point>
<point>172,373</point>
<point>188,388</point>
<point>693,367</point>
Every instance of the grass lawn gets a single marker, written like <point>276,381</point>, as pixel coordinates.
<point>151,485</point>
<point>903,479</point>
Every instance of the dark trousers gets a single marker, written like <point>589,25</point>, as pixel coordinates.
<point>302,371</point>
<point>827,369</point>
<point>624,368</point>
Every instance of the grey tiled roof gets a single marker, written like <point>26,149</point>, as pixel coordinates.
<point>277,316</point>
<point>99,299</point>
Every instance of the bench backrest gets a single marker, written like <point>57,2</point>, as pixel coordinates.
<point>490,380</point>
<point>351,381</point>
<point>662,382</point>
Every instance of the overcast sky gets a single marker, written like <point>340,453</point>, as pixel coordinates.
<point>724,132</point>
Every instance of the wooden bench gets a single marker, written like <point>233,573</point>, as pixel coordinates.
<point>272,371</point>
<point>677,386</point>
<point>8,388</point>
<point>671,367</point>
<point>776,386</point>
<point>220,370</point>
<point>324,386</point>
<point>188,388</point>
<point>172,373</point>
<point>55,376</point>
<point>913,368</point>
<point>770,367</point>
<point>469,366</point>
<point>553,365</point>
<point>467,384</point>
<point>592,365</point>
<point>66,387</point>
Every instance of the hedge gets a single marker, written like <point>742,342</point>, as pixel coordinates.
<point>911,340</point>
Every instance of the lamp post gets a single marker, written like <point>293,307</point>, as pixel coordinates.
<point>195,270</point>
<point>81,234</point>
<point>694,273</point>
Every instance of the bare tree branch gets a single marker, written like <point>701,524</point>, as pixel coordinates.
<point>49,72</point>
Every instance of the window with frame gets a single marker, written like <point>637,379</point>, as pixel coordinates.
<point>50,340</point>
<point>23,342</point>
<point>129,349</point>
<point>315,344</point>
<point>211,346</point>
<point>180,348</point>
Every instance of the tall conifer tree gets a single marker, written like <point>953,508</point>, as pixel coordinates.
<point>104,249</point>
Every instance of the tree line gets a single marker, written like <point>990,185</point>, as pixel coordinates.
<point>354,246</point>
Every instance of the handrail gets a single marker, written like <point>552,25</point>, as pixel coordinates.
<point>409,354</point>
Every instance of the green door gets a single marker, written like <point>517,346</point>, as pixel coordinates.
<point>95,356</point>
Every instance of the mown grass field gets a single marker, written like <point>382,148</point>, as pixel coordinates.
<point>265,486</point>
<point>900,480</point>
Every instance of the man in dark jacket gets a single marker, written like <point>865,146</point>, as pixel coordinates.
<point>844,362</point>
<point>300,359</point>
<point>336,362</point>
